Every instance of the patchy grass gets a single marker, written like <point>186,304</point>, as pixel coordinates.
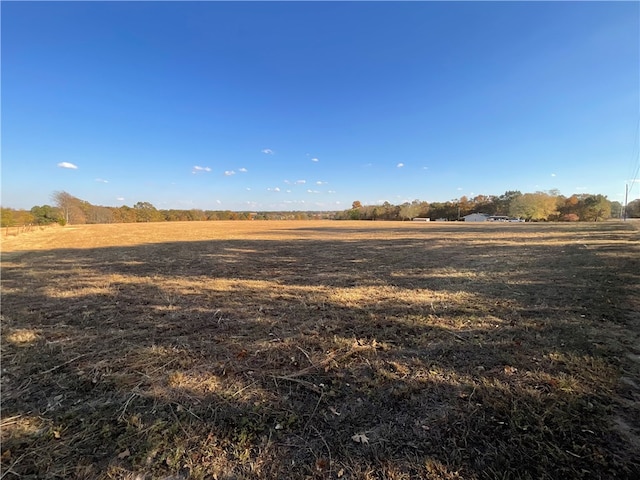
<point>237,350</point>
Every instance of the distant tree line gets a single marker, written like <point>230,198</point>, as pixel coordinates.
<point>67,209</point>
<point>538,206</point>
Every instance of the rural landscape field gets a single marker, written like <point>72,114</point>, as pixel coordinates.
<point>320,349</point>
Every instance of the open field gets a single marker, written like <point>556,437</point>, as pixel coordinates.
<point>345,350</point>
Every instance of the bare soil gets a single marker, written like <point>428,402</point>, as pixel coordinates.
<point>304,350</point>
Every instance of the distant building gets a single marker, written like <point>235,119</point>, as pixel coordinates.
<point>476,217</point>
<point>483,217</point>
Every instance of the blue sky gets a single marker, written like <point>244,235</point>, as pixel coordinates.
<point>310,106</point>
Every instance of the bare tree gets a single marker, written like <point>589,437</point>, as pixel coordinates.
<point>68,204</point>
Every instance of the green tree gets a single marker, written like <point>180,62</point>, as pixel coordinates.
<point>408,210</point>
<point>6,217</point>
<point>616,209</point>
<point>146,212</point>
<point>502,204</point>
<point>595,208</point>
<point>633,209</point>
<point>46,214</point>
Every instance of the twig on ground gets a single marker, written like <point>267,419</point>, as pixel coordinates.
<point>314,411</point>
<point>243,389</point>
<point>304,383</point>
<point>305,354</point>
<point>63,364</point>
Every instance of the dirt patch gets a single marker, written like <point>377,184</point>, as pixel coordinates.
<point>350,350</point>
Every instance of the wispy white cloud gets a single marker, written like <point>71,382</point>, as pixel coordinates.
<point>275,189</point>
<point>101,180</point>
<point>314,159</point>
<point>243,170</point>
<point>300,182</point>
<point>198,168</point>
<point>459,189</point>
<point>312,191</point>
<point>400,165</point>
<point>267,151</point>
<point>553,174</point>
<point>248,189</point>
<point>320,182</point>
<point>331,191</point>
<point>120,199</point>
<point>68,165</point>
<point>228,173</point>
<point>218,202</point>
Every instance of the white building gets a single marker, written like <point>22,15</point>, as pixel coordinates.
<point>476,217</point>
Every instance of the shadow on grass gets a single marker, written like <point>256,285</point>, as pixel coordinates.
<point>404,357</point>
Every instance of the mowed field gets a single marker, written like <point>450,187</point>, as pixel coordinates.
<point>304,350</point>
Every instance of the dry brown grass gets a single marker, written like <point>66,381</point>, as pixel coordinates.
<point>368,350</point>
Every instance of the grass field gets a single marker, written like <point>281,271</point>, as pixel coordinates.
<point>345,350</point>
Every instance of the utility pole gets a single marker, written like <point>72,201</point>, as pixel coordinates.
<point>626,195</point>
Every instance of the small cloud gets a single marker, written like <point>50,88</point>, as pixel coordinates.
<point>218,202</point>
<point>228,173</point>
<point>400,165</point>
<point>459,189</point>
<point>276,189</point>
<point>319,182</point>
<point>425,168</point>
<point>332,191</point>
<point>100,180</point>
<point>267,151</point>
<point>315,160</point>
<point>553,174</point>
<point>243,170</point>
<point>288,191</point>
<point>300,182</point>
<point>248,189</point>
<point>198,168</point>
<point>312,191</point>
<point>68,165</point>
<point>120,199</point>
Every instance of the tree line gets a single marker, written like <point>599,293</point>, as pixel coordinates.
<point>67,209</point>
<point>538,206</point>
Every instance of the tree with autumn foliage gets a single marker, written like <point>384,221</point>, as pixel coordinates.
<point>533,206</point>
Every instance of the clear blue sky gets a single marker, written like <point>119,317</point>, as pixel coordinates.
<point>268,106</point>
